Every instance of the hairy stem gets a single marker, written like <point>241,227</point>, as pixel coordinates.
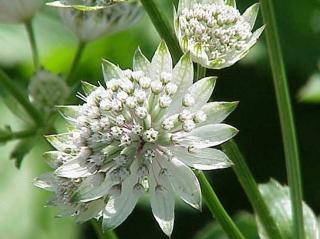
<point>102,235</point>
<point>18,94</point>
<point>250,186</point>
<point>286,117</point>
<point>217,209</point>
<point>32,39</point>
<point>163,27</point>
<point>70,79</point>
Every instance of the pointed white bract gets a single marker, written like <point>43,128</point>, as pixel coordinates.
<point>18,11</point>
<point>89,20</point>
<point>143,132</point>
<point>47,90</point>
<point>214,31</point>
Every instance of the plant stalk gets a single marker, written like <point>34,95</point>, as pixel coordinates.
<point>286,117</point>
<point>250,186</point>
<point>163,27</point>
<point>33,43</point>
<point>102,235</point>
<point>19,95</point>
<point>5,137</point>
<point>70,79</point>
<point>217,209</point>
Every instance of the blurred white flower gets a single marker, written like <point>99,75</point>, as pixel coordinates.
<point>143,132</point>
<point>18,11</point>
<point>214,31</point>
<point>89,22</point>
<point>46,90</point>
<point>84,5</point>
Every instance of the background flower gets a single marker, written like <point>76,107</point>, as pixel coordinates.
<point>18,11</point>
<point>99,20</point>
<point>214,31</point>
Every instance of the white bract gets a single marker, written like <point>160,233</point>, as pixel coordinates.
<point>89,22</point>
<point>214,31</point>
<point>46,90</point>
<point>18,11</point>
<point>144,132</point>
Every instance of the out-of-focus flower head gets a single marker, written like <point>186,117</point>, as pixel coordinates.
<point>90,20</point>
<point>47,90</point>
<point>214,31</point>
<point>18,11</point>
<point>144,132</point>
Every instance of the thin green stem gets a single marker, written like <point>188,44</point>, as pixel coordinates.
<point>70,79</point>
<point>286,116</point>
<point>18,94</point>
<point>201,72</point>
<point>250,186</point>
<point>102,235</point>
<point>217,209</point>
<point>5,137</point>
<point>33,44</point>
<point>163,27</point>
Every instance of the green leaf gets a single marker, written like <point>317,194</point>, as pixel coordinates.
<point>245,221</point>
<point>231,3</point>
<point>21,150</point>
<point>278,201</point>
<point>310,92</point>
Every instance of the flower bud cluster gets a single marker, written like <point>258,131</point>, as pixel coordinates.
<point>219,28</point>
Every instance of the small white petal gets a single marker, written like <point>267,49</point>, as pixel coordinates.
<point>45,181</point>
<point>203,159</point>
<point>162,205</point>
<point>110,71</point>
<point>207,136</point>
<point>250,15</point>
<point>202,91</point>
<point>217,111</point>
<point>184,182</point>
<point>161,62</point>
<point>140,62</point>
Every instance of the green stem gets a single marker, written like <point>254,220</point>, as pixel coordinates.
<point>102,235</point>
<point>163,27</point>
<point>5,137</point>
<point>201,72</point>
<point>33,44</point>
<point>18,94</point>
<point>70,79</point>
<point>286,117</point>
<point>217,209</point>
<point>250,186</point>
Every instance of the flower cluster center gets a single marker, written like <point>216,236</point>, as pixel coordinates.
<point>219,28</point>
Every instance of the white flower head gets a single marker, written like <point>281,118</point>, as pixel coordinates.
<point>144,146</point>
<point>18,11</point>
<point>47,90</point>
<point>90,20</point>
<point>214,31</point>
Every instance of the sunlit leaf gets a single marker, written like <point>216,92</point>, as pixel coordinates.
<point>278,201</point>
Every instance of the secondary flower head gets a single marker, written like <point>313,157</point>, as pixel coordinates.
<point>143,132</point>
<point>18,11</point>
<point>214,31</point>
<point>89,21</point>
<point>46,90</point>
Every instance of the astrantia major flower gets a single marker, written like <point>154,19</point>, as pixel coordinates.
<point>18,11</point>
<point>46,90</point>
<point>89,22</point>
<point>214,31</point>
<point>143,132</point>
